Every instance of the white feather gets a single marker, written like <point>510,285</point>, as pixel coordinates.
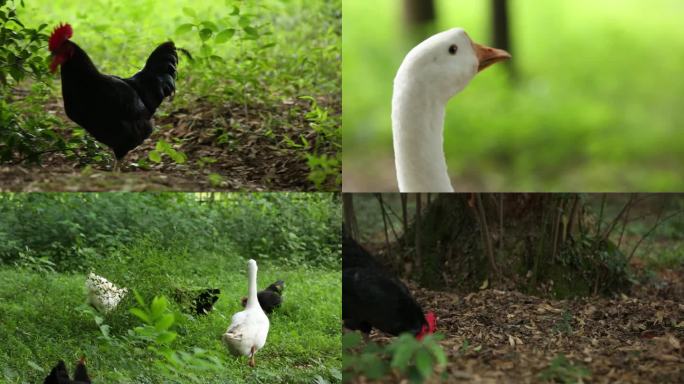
<point>428,77</point>
<point>102,294</point>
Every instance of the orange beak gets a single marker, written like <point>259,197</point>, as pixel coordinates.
<point>488,56</point>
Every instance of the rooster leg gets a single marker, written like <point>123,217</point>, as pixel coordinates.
<point>252,363</point>
<point>116,166</point>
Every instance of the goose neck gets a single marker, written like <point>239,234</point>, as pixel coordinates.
<point>418,135</point>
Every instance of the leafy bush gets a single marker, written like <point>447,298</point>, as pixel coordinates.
<point>19,46</point>
<point>76,230</point>
<point>419,361</point>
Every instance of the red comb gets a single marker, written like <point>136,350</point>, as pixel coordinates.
<point>62,33</point>
<point>431,326</point>
<point>432,322</point>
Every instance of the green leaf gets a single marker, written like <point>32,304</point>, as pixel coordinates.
<point>251,31</point>
<point>205,33</point>
<point>244,21</point>
<point>189,11</point>
<point>162,146</point>
<point>224,35</point>
<point>236,11</point>
<point>159,304</point>
<point>402,356</point>
<point>351,340</point>
<point>35,366</point>
<point>184,28</point>
<point>155,156</point>
<point>142,315</point>
<point>210,25</point>
<point>178,157</point>
<point>166,337</point>
<point>424,363</point>
<point>165,322</point>
<point>215,179</point>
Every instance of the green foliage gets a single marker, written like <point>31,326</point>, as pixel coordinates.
<point>156,332</point>
<point>164,148</point>
<point>323,166</point>
<point>561,370</point>
<point>418,361</point>
<point>19,46</point>
<point>76,231</point>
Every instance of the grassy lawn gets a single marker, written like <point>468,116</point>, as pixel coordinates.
<point>42,320</point>
<point>595,106</point>
<point>259,107</point>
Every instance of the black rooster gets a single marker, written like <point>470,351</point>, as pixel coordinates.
<point>270,298</point>
<point>372,298</point>
<point>116,111</point>
<point>59,374</point>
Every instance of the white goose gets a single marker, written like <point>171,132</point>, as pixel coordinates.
<point>431,74</point>
<point>248,329</point>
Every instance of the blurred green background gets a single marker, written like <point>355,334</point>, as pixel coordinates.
<point>596,104</point>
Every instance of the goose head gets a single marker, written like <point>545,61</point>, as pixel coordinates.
<point>444,64</point>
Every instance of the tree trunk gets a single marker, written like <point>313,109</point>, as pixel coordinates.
<point>419,12</point>
<point>501,30</point>
<point>350,226</point>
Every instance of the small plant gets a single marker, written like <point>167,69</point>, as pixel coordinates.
<point>564,325</point>
<point>561,370</point>
<point>156,331</point>
<point>164,148</point>
<point>418,361</point>
<point>322,166</point>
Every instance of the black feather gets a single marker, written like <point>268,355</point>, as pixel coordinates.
<point>373,298</point>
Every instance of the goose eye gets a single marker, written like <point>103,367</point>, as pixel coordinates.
<point>453,49</point>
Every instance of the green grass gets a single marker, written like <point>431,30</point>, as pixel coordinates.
<point>41,320</point>
<point>596,106</point>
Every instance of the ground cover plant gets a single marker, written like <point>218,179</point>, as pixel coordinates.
<point>182,244</point>
<point>257,103</point>
<point>576,117</point>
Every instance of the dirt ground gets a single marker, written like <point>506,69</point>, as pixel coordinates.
<point>244,153</point>
<point>497,336</point>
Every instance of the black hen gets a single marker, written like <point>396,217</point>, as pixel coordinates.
<point>116,111</point>
<point>59,374</point>
<point>205,301</point>
<point>270,298</point>
<point>372,298</point>
<point>197,301</point>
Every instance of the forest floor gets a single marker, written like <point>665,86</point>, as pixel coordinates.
<point>227,147</point>
<point>496,336</point>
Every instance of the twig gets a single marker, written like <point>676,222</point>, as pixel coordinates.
<point>384,221</point>
<point>657,223</point>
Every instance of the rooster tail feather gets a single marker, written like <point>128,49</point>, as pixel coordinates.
<point>157,79</point>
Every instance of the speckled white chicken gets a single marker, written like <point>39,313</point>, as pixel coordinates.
<point>102,294</point>
<point>249,328</point>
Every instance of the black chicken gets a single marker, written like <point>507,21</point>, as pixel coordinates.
<point>372,298</point>
<point>205,301</point>
<point>270,298</point>
<point>116,111</point>
<point>59,374</point>
<point>198,301</point>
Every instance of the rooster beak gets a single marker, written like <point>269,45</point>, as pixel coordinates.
<point>487,56</point>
